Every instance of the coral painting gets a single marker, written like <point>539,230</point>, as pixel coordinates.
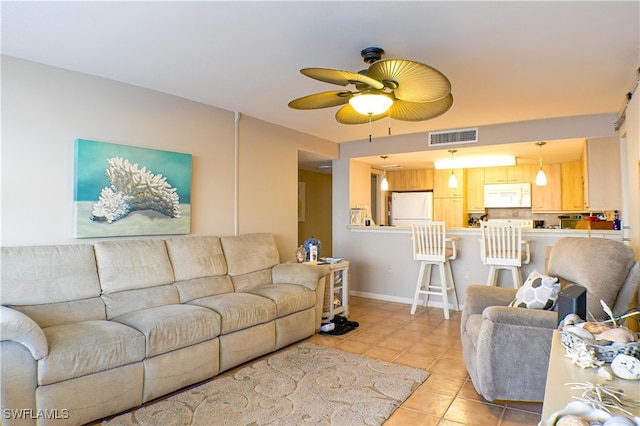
<point>124,190</point>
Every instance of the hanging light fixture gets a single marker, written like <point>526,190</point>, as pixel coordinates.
<point>541,178</point>
<point>453,182</point>
<point>370,104</point>
<point>384,185</point>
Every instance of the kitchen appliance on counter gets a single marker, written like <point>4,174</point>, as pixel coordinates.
<point>408,208</point>
<point>505,195</point>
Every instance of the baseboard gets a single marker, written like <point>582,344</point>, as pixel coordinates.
<point>397,299</point>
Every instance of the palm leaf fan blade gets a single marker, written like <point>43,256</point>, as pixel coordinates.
<point>416,82</point>
<point>340,77</point>
<point>419,111</point>
<point>321,100</point>
<point>348,115</point>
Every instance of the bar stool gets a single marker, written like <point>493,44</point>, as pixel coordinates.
<point>429,247</point>
<point>502,249</point>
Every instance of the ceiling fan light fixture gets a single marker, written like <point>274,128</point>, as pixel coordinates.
<point>370,104</point>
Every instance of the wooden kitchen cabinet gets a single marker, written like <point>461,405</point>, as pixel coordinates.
<point>601,171</point>
<point>475,190</point>
<point>508,174</point>
<point>547,198</point>
<point>451,210</point>
<point>441,183</point>
<point>410,180</point>
<point>572,186</point>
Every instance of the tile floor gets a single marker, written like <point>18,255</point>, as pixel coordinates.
<point>425,340</point>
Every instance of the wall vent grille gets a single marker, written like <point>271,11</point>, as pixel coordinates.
<point>453,137</point>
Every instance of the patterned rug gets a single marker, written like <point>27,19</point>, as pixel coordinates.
<point>306,384</point>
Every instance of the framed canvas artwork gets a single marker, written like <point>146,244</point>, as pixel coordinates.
<point>123,190</point>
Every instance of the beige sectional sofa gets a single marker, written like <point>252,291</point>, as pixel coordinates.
<point>90,330</point>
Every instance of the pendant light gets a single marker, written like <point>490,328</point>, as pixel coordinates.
<point>541,178</point>
<point>453,182</point>
<point>384,185</point>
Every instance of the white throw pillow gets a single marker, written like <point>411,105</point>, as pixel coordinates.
<point>538,292</point>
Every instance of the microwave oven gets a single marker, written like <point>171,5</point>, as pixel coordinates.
<point>505,195</point>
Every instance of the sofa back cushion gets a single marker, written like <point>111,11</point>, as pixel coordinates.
<point>600,265</point>
<point>52,284</point>
<point>199,267</point>
<point>250,258</point>
<point>134,275</point>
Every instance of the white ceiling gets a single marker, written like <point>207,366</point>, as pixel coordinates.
<point>507,61</point>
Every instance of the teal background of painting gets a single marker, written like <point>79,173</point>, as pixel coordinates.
<point>91,164</point>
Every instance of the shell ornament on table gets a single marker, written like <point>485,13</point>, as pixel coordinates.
<point>134,189</point>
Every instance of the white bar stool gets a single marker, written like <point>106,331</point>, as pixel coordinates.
<point>502,249</point>
<point>429,247</point>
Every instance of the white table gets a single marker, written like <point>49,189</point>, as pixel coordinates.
<point>561,371</point>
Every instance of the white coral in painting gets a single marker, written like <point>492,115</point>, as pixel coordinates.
<point>134,189</point>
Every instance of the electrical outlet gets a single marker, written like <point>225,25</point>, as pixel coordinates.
<point>467,275</point>
<point>389,269</point>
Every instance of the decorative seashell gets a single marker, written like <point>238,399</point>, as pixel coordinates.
<point>595,327</point>
<point>618,334</point>
<point>572,420</point>
<point>619,421</point>
<point>626,367</point>
<point>605,373</point>
<point>571,319</point>
<point>580,332</point>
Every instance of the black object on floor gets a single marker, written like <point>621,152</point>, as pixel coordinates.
<point>339,330</point>
<point>340,320</point>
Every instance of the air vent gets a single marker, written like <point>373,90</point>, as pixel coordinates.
<point>453,137</point>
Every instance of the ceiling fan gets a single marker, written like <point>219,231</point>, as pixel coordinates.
<point>407,90</point>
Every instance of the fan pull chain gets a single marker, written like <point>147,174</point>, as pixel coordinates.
<point>369,128</point>
<point>389,117</point>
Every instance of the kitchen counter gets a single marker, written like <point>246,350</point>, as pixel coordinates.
<point>382,265</point>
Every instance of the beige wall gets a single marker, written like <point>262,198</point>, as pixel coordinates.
<point>317,221</point>
<point>44,109</point>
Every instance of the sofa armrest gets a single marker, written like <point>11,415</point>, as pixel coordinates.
<point>521,316</point>
<point>480,297</point>
<point>17,327</point>
<point>299,273</point>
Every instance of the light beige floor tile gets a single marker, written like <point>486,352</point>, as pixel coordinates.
<point>440,340</point>
<point>469,392</point>
<point>432,404</point>
<point>516,417</point>
<point>353,347</point>
<point>452,367</point>
<point>426,349</point>
<point>394,342</point>
<point>384,354</point>
<point>404,417</point>
<point>474,413</point>
<point>412,360</point>
<point>533,407</point>
<point>453,353</point>
<point>443,383</point>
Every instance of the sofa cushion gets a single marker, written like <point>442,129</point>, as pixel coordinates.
<point>132,264</point>
<point>249,253</point>
<point>171,327</point>
<point>472,327</point>
<point>48,274</point>
<point>123,302</point>
<point>65,312</point>
<point>203,287</point>
<point>538,292</point>
<point>239,310</point>
<point>246,282</point>
<point>591,262</point>
<point>289,298</point>
<point>88,347</point>
<point>196,257</point>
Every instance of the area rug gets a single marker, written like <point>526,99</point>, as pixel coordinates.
<point>306,384</point>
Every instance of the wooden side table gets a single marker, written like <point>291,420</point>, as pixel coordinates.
<point>338,286</point>
<point>561,371</point>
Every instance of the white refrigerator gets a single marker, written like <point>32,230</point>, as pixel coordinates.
<point>408,208</point>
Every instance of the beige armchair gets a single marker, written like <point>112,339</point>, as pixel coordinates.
<point>506,349</point>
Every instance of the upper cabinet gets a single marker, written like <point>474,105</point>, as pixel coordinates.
<point>572,186</point>
<point>475,190</point>
<point>441,183</point>
<point>410,180</point>
<point>510,174</point>
<point>547,198</point>
<point>602,176</point>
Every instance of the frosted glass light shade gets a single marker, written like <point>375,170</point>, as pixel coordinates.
<point>370,104</point>
<point>384,185</point>
<point>541,178</point>
<point>453,182</point>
